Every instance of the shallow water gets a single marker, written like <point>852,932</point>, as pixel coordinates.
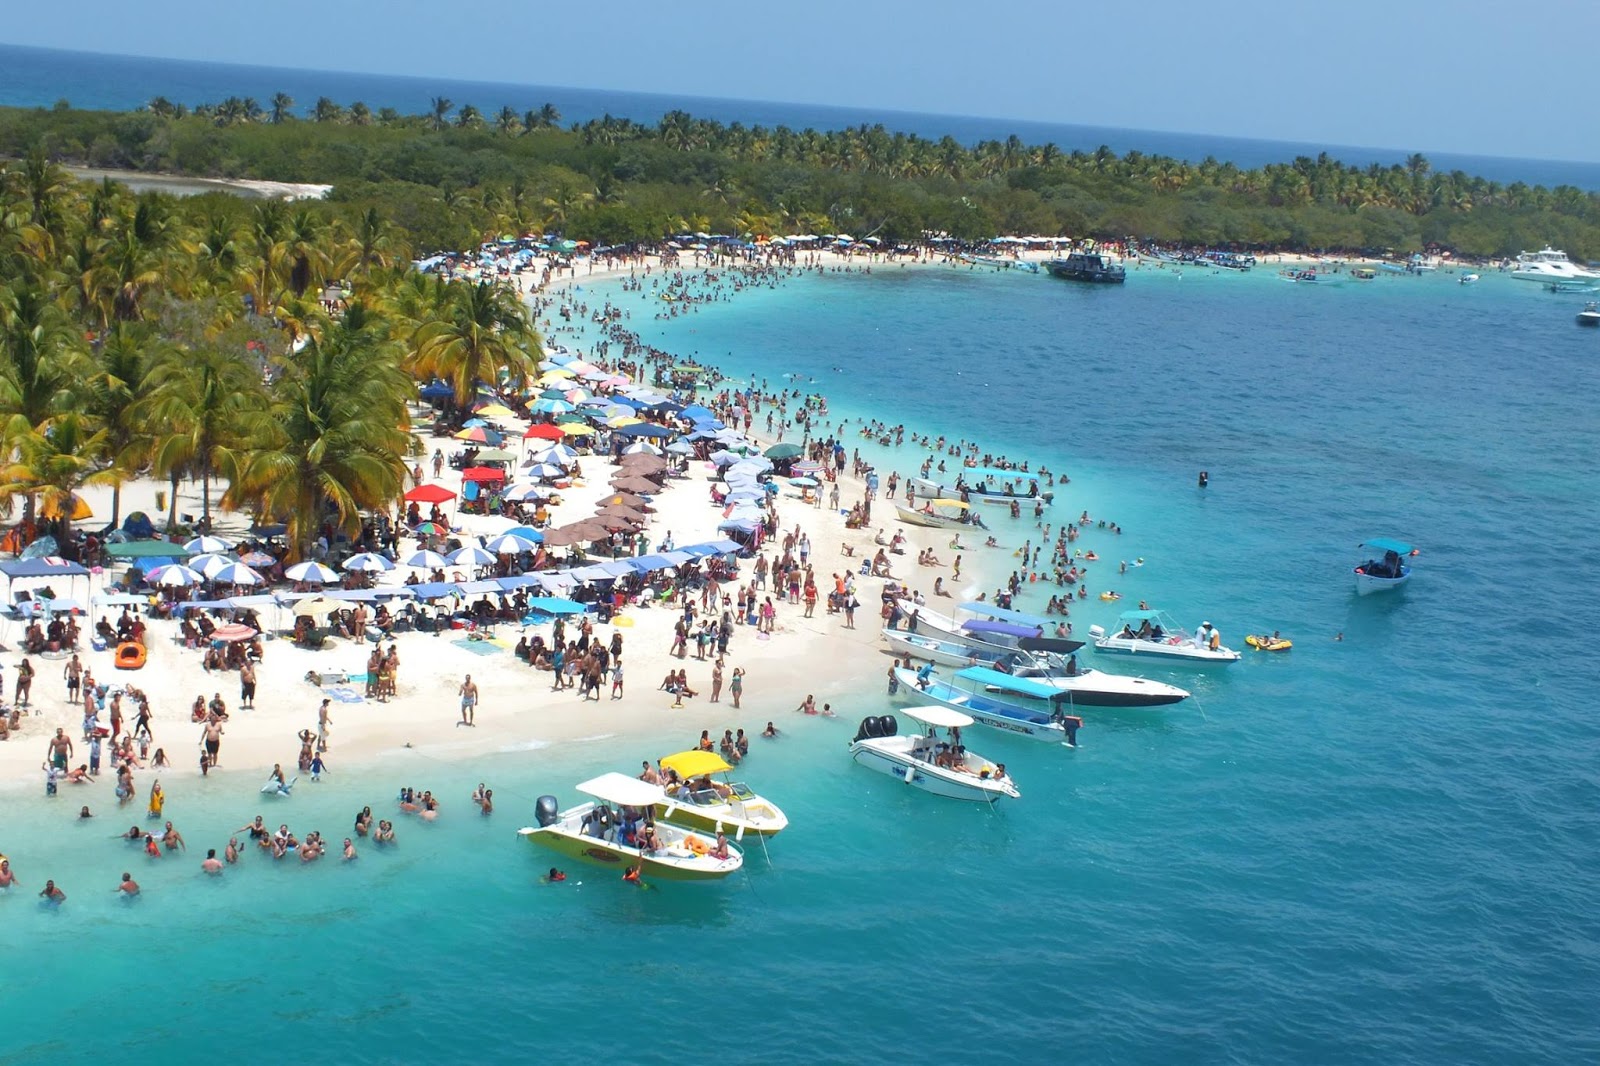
<point>1374,849</point>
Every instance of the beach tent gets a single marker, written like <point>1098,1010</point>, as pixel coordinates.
<point>430,494</point>
<point>147,549</point>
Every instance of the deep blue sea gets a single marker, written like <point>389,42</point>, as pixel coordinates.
<point>1380,849</point>
<point>37,77</point>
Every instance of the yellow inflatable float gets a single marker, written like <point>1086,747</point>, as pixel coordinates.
<point>1268,643</point>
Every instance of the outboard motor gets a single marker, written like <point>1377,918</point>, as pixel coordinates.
<point>889,725</point>
<point>546,811</point>
<point>861,730</point>
<point>1097,632</point>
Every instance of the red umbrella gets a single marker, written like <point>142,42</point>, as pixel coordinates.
<point>543,431</point>
<point>430,494</point>
<point>483,473</point>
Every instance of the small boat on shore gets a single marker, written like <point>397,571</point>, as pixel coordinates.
<point>1387,572</point>
<point>940,767</point>
<point>992,699</point>
<point>594,832</point>
<point>727,806</point>
<point>939,514</point>
<point>1159,637</point>
<point>1087,266</point>
<point>1590,315</point>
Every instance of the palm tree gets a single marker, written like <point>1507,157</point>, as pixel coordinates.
<point>40,354</point>
<point>438,116</point>
<point>198,403</point>
<point>333,440</point>
<point>114,396</point>
<point>507,121</point>
<point>305,249</point>
<point>373,245</point>
<point>469,118</point>
<point>161,107</point>
<point>282,108</point>
<point>53,464</point>
<point>360,114</point>
<point>482,333</point>
<point>325,110</point>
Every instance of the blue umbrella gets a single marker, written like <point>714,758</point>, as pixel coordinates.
<point>368,561</point>
<point>435,390</point>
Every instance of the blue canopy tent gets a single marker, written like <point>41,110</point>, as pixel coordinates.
<point>696,413</point>
<point>553,605</point>
<point>988,610</point>
<point>645,564</point>
<point>644,429</point>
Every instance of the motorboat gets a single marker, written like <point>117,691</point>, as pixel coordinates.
<point>1363,273</point>
<point>726,806</point>
<point>1155,634</point>
<point>1551,267</point>
<point>985,485</point>
<point>1468,279</point>
<point>943,767</point>
<point>1087,266</point>
<point>939,514</point>
<point>1048,660</point>
<point>999,701</point>
<point>595,832</point>
<point>997,631</point>
<point>1590,315</point>
<point>1386,572</point>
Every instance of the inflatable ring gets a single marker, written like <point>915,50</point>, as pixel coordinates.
<point>1108,596</point>
<point>695,844</point>
<point>1268,644</point>
<point>130,656</point>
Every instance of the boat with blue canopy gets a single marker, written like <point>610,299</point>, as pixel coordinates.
<point>1385,572</point>
<point>983,484</point>
<point>997,700</point>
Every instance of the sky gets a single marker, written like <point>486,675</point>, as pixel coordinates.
<point>1467,76</point>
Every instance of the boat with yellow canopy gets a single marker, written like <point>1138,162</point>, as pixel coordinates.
<point>703,803</point>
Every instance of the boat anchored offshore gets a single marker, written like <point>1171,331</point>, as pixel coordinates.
<point>1159,637</point>
<point>997,700</point>
<point>1087,266</point>
<point>594,832</point>
<point>944,768</point>
<point>717,806</point>
<point>985,485</point>
<point>1386,572</point>
<point>1551,267</point>
<point>1590,315</point>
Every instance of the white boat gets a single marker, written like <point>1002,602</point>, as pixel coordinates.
<point>1551,267</point>
<point>944,768</point>
<point>939,514</point>
<point>999,701</point>
<point>985,485</point>
<point>1468,279</point>
<point>1387,572</point>
<point>1047,660</point>
<point>726,806</point>
<point>594,832</point>
<point>1590,315</point>
<point>1155,634</point>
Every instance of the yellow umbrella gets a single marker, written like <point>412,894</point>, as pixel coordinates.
<point>550,377</point>
<point>576,430</point>
<point>695,763</point>
<point>50,509</point>
<point>623,420</point>
<point>495,410</point>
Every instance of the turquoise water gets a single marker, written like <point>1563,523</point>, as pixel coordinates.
<point>1379,849</point>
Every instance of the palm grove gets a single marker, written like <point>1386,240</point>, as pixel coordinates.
<point>454,174</point>
<point>187,340</point>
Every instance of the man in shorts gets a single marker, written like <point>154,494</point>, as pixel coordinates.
<point>469,701</point>
<point>60,749</point>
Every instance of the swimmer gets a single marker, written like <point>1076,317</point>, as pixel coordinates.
<point>129,887</point>
<point>770,732</point>
<point>556,876</point>
<point>349,850</point>
<point>231,854</point>
<point>84,812</point>
<point>7,878</point>
<point>52,894</point>
<point>211,864</point>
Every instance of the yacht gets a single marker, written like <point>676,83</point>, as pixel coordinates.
<point>1087,266</point>
<point>1551,267</point>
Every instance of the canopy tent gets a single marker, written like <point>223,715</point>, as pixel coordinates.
<point>147,549</point>
<point>483,473</point>
<point>41,568</point>
<point>430,494</point>
<point>553,605</point>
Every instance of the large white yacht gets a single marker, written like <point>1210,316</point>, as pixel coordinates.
<point>1551,267</point>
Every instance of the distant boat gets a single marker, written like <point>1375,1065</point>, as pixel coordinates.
<point>1468,279</point>
<point>1387,572</point>
<point>1087,266</point>
<point>1551,267</point>
<point>1590,315</point>
<point>1363,273</point>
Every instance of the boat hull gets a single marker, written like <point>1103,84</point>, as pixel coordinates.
<point>925,778</point>
<point>1008,718</point>
<point>1368,584</point>
<point>931,521</point>
<point>619,857</point>
<point>1177,654</point>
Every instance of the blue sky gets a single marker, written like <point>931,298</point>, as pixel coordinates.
<point>1464,76</point>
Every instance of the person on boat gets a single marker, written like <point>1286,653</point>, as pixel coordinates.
<point>925,676</point>
<point>999,776</point>
<point>1072,665</point>
<point>649,839</point>
<point>719,850</point>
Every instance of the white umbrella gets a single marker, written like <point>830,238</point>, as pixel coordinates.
<point>641,446</point>
<point>207,544</point>
<point>522,493</point>
<point>509,544</point>
<point>559,454</point>
<point>427,560</point>
<point>209,564</point>
<point>311,571</point>
<point>368,561</point>
<point>236,574</point>
<point>679,447</point>
<point>471,556</point>
<point>176,576</point>
<point>544,470</point>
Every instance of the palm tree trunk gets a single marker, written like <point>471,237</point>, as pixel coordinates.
<point>116,505</point>
<point>172,504</point>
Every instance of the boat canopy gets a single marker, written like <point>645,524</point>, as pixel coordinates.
<point>1052,644</point>
<point>938,717</point>
<point>695,763</point>
<point>1009,629</point>
<point>622,790</point>
<point>1384,544</point>
<point>985,676</point>
<point>1005,614</point>
<point>989,472</point>
<point>948,503</point>
<point>1135,616</point>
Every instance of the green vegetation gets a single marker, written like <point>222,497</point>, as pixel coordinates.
<point>130,345</point>
<point>457,174</point>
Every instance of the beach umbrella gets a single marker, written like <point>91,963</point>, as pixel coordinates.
<point>725,458</point>
<point>556,376</point>
<point>639,447</point>
<point>257,559</point>
<point>316,607</point>
<point>428,529</point>
<point>616,523</point>
<point>176,576</point>
<point>207,544</point>
<point>807,466</point>
<point>549,364</point>
<point>623,421</point>
<point>623,499</point>
<point>494,410</point>
<point>494,455</point>
<point>576,429</point>
<point>679,447</point>
<point>634,484</point>
<point>784,451</point>
<point>526,533</point>
<point>311,572</point>
<point>232,633</point>
<point>435,390</point>
<point>543,431</point>
<point>473,423</point>
<point>551,407</point>
<point>427,560</point>
<point>642,461</point>
<point>559,454</point>
<point>368,561</point>
<point>471,555</point>
<point>804,482</point>
<point>647,429</point>
<point>430,494</point>
<point>523,493</point>
<point>236,574</point>
<point>507,544</point>
<point>546,470</point>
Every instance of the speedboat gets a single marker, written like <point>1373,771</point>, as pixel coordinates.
<point>725,806</point>
<point>945,768</point>
<point>1551,267</point>
<point>594,832</point>
<point>1387,572</point>
<point>1468,279</point>
<point>938,514</point>
<point>1087,266</point>
<point>1159,637</point>
<point>1590,315</point>
<point>986,485</point>
<point>999,701</point>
